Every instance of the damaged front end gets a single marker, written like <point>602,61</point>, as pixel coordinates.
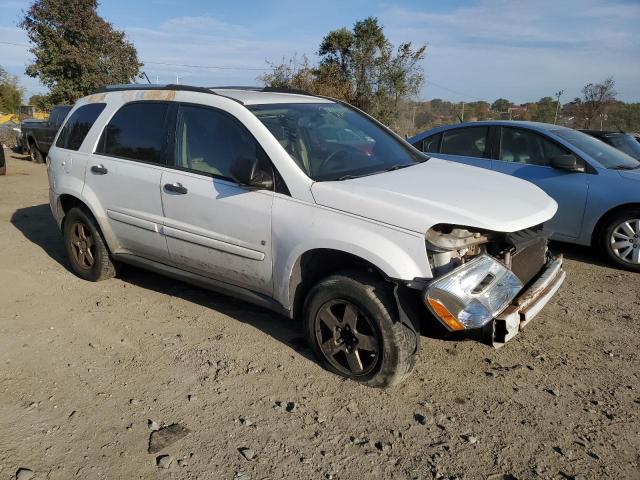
<point>491,281</point>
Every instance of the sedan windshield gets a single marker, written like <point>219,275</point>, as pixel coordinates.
<point>604,154</point>
<point>330,141</point>
<point>627,143</point>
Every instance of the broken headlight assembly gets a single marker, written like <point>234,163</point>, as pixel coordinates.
<point>472,294</point>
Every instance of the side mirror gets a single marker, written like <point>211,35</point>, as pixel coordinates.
<point>252,173</point>
<point>568,163</point>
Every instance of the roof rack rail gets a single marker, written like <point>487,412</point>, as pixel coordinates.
<point>142,86</point>
<point>295,91</point>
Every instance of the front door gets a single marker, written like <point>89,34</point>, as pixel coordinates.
<point>527,154</point>
<point>125,173</point>
<point>212,225</point>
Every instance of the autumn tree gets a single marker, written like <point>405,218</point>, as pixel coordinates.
<point>76,50</point>
<point>360,66</point>
<point>596,98</point>
<point>10,92</point>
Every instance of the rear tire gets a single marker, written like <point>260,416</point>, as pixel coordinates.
<point>90,259</point>
<point>620,239</point>
<point>352,324</point>
<point>36,155</point>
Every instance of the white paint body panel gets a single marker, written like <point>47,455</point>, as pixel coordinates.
<point>439,191</point>
<point>218,228</point>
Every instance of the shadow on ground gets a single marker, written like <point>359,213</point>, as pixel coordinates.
<point>38,226</point>
<point>580,253</point>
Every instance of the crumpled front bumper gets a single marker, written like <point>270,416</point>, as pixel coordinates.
<point>527,304</point>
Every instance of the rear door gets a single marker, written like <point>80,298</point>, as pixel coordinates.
<point>527,154</point>
<point>213,226</point>
<point>468,145</point>
<point>124,175</point>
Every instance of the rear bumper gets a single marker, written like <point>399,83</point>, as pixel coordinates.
<point>527,304</point>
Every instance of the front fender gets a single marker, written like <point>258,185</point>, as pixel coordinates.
<point>299,227</point>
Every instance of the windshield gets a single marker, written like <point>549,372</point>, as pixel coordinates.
<point>604,154</point>
<point>627,143</point>
<point>330,141</point>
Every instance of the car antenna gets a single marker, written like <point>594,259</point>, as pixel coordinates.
<point>145,76</point>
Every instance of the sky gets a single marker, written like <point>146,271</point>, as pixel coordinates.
<point>476,49</point>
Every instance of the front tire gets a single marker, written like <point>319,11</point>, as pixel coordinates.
<point>86,249</point>
<point>620,239</point>
<point>352,324</point>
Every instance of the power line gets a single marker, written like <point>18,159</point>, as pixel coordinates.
<point>429,82</point>
<point>214,67</point>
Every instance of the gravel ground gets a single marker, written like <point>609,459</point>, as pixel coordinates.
<point>88,371</point>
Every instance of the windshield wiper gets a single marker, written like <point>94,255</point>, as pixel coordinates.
<point>626,167</point>
<point>398,167</point>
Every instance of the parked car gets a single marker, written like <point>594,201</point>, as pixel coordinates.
<point>3,163</point>
<point>37,135</point>
<point>596,186</point>
<point>627,142</point>
<point>242,191</point>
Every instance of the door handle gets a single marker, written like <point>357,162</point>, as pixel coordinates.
<point>99,169</point>
<point>175,188</point>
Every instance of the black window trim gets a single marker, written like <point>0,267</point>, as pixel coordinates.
<point>172,158</point>
<point>164,153</point>
<point>487,149</point>
<point>498,139</point>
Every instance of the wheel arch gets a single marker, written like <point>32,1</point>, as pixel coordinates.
<point>66,201</point>
<point>602,221</point>
<point>315,264</point>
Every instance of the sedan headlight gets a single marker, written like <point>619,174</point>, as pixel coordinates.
<point>472,294</point>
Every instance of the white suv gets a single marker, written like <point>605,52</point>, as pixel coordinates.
<point>304,205</point>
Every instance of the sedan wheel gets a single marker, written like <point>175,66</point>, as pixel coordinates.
<point>621,239</point>
<point>625,241</point>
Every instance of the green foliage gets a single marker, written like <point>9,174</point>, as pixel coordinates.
<point>596,98</point>
<point>360,66</point>
<point>545,110</point>
<point>10,92</point>
<point>41,102</point>
<point>75,50</point>
<point>501,105</point>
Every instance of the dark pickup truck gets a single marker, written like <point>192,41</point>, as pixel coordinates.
<point>37,135</point>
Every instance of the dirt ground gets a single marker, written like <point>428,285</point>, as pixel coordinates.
<point>85,366</point>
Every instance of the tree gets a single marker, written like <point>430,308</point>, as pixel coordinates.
<point>596,98</point>
<point>545,110</point>
<point>361,67</point>
<point>76,51</point>
<point>501,105</point>
<point>41,102</point>
<point>10,92</point>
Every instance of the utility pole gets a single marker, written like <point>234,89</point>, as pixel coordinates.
<point>463,111</point>
<point>558,95</point>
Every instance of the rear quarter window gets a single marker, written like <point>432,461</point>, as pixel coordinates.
<point>80,122</point>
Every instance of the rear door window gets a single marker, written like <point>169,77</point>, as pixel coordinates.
<point>75,130</point>
<point>466,142</point>
<point>137,131</point>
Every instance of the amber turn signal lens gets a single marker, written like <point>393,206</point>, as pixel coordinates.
<point>445,315</point>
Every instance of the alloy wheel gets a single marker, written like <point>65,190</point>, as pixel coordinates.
<point>82,246</point>
<point>348,338</point>
<point>625,241</point>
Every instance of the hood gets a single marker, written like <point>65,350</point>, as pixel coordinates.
<point>440,191</point>
<point>630,174</point>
